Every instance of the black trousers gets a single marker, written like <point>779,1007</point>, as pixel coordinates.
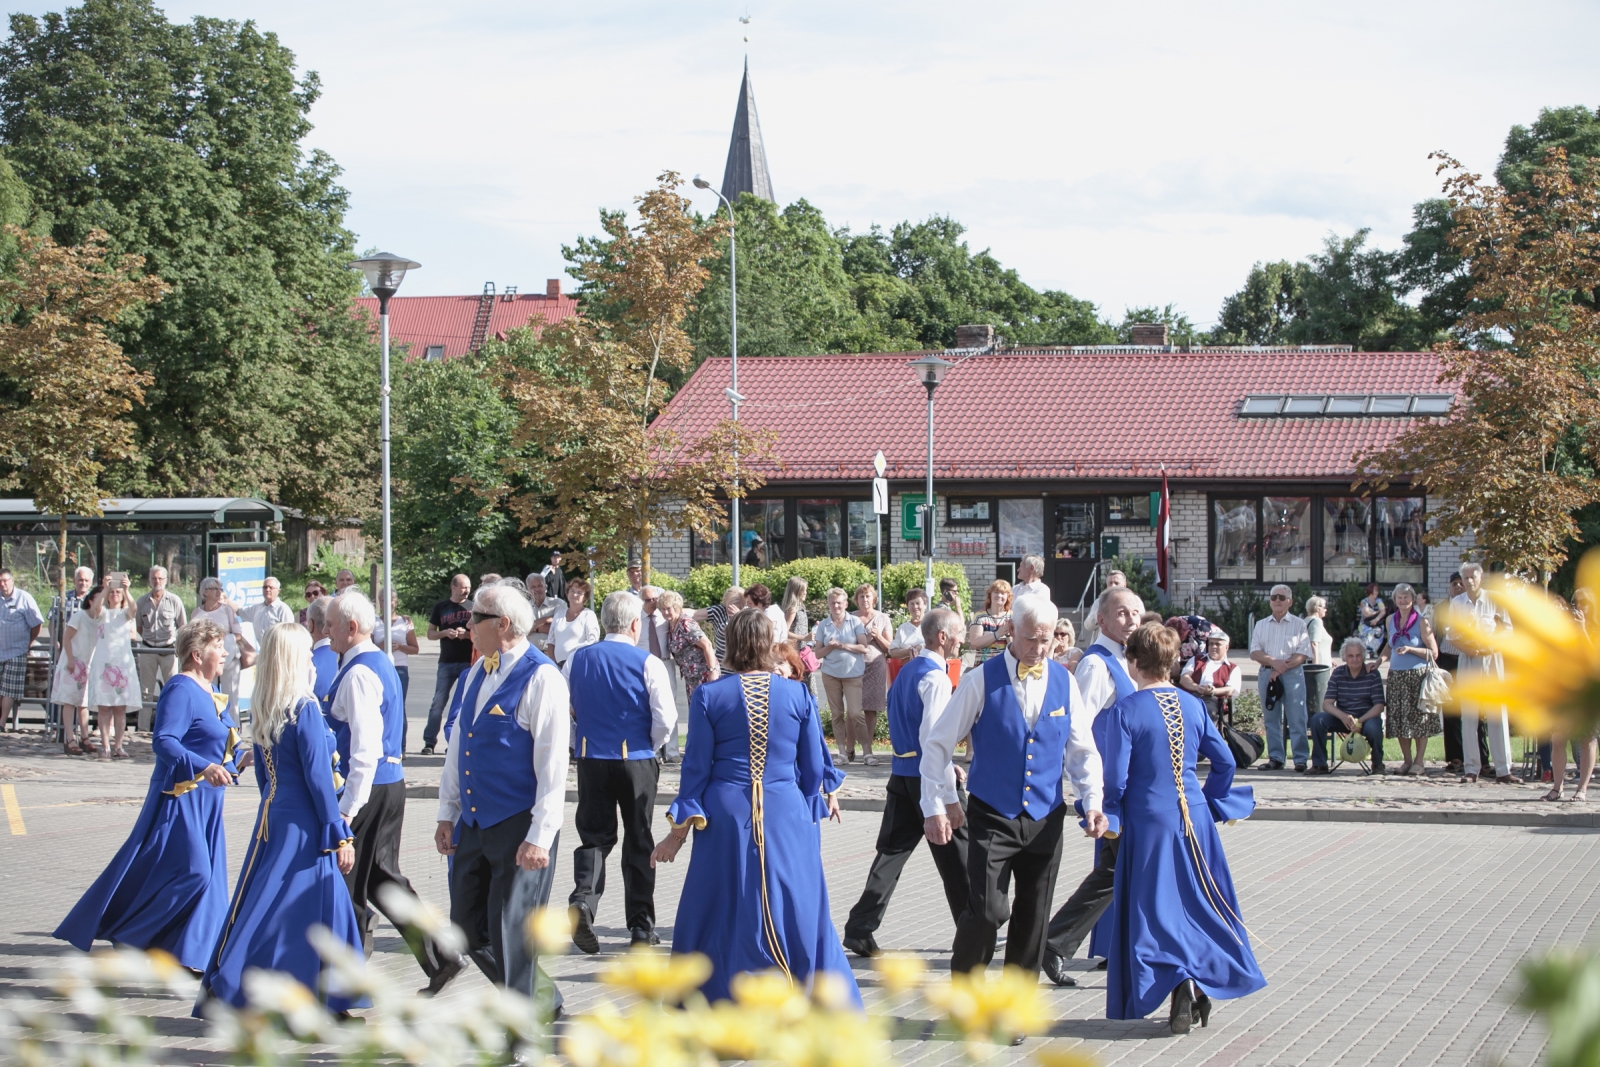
<point>1000,850</point>
<point>1076,918</point>
<point>605,787</point>
<point>491,898</point>
<point>1454,749</point>
<point>377,828</point>
<point>898,836</point>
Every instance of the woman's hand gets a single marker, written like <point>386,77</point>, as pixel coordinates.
<point>345,857</point>
<point>833,808</point>
<point>244,761</point>
<point>667,850</point>
<point>216,774</point>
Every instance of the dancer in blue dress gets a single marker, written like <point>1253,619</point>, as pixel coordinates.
<point>1177,928</point>
<point>167,887</point>
<point>754,770</point>
<point>293,874</point>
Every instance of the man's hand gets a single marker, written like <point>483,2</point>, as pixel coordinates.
<point>1348,720</point>
<point>938,829</point>
<point>444,838</point>
<point>957,816</point>
<point>216,774</point>
<point>961,773</point>
<point>345,857</point>
<point>531,857</point>
<point>1096,824</point>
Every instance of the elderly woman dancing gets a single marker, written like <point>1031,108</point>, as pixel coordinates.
<point>1177,928</point>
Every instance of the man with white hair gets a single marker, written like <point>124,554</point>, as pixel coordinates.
<point>622,710</point>
<point>547,607</point>
<point>367,714</point>
<point>1282,646</point>
<point>160,616</point>
<point>272,611</point>
<point>1103,679</point>
<point>919,693</point>
<point>501,791</point>
<point>1028,724</point>
<point>1474,602</point>
<point>1030,575</point>
<point>324,660</point>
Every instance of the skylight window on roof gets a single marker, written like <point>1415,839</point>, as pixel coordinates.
<point>1389,405</point>
<point>1304,405</point>
<point>1347,405</point>
<point>1431,405</point>
<point>434,353</point>
<point>1261,405</point>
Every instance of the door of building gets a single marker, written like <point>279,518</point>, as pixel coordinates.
<point>1072,537</point>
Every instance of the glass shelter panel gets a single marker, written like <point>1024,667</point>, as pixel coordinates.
<point>818,524</point>
<point>1286,541</point>
<point>862,528</point>
<point>1346,539</point>
<point>35,561</point>
<point>1400,556</point>
<point>1233,540</point>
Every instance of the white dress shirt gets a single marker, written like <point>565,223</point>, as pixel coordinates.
<point>659,621</point>
<point>543,712</point>
<point>359,702</point>
<point>934,691</point>
<point>264,616</point>
<point>955,721</point>
<point>1490,618</point>
<point>1281,638</point>
<point>1094,679</point>
<point>1033,588</point>
<point>658,684</point>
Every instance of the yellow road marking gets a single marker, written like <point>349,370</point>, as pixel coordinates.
<point>8,793</point>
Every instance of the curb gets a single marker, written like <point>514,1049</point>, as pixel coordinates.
<point>1386,816</point>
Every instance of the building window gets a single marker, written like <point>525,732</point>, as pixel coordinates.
<point>1021,528</point>
<point>1233,540</point>
<point>1286,540</point>
<point>762,542</point>
<point>1128,510</point>
<point>818,528</point>
<point>1347,405</point>
<point>1346,539</point>
<point>433,353</point>
<point>861,529</point>
<point>1401,556</point>
<point>970,511</point>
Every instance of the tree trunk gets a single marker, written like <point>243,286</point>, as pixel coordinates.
<point>644,552</point>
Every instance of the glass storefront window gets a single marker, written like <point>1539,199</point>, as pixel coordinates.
<point>818,524</point>
<point>862,530</point>
<point>1286,539</point>
<point>1233,540</point>
<point>1400,555</point>
<point>1346,539</point>
<point>1131,510</point>
<point>763,540</point>
<point>1021,528</point>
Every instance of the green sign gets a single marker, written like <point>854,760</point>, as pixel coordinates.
<point>911,515</point>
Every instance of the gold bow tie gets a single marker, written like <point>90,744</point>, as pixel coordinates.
<point>1027,670</point>
<point>491,663</point>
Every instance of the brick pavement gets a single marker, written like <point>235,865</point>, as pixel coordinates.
<point>1383,944</point>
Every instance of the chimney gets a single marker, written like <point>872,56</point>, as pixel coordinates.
<point>1149,334</point>
<point>974,336</point>
<point>552,288</point>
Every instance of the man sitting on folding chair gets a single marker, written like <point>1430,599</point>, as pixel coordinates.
<point>1354,702</point>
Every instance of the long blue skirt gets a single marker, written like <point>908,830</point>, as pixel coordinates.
<point>1166,928</point>
<point>720,912</point>
<point>167,886</point>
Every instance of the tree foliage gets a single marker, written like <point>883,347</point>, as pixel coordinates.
<point>183,144</point>
<point>1514,462</point>
<point>69,388</point>
<point>587,467</point>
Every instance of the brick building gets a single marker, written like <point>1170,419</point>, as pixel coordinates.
<point>1060,452</point>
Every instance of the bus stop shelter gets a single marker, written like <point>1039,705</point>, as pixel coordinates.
<point>192,537</point>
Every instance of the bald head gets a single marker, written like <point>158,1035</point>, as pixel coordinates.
<point>1120,608</point>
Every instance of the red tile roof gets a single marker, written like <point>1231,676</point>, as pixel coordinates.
<point>420,321</point>
<point>1088,415</point>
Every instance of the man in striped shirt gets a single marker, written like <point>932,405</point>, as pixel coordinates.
<point>1354,701</point>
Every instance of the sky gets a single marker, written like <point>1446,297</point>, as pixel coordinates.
<point>1131,154</point>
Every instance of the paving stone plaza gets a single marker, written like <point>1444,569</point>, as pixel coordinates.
<point>1383,942</point>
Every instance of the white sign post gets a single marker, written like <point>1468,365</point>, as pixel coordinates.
<point>880,508</point>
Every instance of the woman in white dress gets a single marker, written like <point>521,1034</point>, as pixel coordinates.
<point>217,608</point>
<point>72,672</point>
<point>113,675</point>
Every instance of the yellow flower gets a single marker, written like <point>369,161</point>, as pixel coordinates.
<point>1060,1058</point>
<point>769,989</point>
<point>995,1009</point>
<point>899,972</point>
<point>729,1031</point>
<point>655,975</point>
<point>1551,667</point>
<point>831,1039</point>
<point>641,1038</point>
<point>548,930</point>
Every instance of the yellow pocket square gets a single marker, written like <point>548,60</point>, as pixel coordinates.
<point>496,710</point>
<point>1059,712</point>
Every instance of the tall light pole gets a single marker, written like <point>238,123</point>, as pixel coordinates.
<point>384,274</point>
<point>732,392</point>
<point>931,370</point>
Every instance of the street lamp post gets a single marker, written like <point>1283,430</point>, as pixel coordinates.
<point>732,392</point>
<point>931,370</point>
<point>384,274</point>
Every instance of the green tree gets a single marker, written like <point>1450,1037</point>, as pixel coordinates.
<point>1262,312</point>
<point>1574,130</point>
<point>1180,331</point>
<point>183,143</point>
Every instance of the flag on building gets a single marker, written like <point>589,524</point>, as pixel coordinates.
<point>1164,540</point>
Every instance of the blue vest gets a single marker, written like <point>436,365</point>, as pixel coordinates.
<point>496,752</point>
<point>326,662</point>
<point>610,704</point>
<point>394,717</point>
<point>1015,770</point>
<point>905,716</point>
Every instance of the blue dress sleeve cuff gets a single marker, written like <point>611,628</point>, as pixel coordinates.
<point>1238,803</point>
<point>686,812</point>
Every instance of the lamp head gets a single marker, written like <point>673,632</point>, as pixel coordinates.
<point>384,273</point>
<point>931,369</point>
<point>701,183</point>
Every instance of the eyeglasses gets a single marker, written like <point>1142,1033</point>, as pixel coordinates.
<point>1277,596</point>
<point>479,616</point>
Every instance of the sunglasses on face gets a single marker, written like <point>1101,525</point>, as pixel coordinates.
<point>479,616</point>
<point>1280,597</point>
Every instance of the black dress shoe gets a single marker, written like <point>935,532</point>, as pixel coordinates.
<point>583,929</point>
<point>1202,1010</point>
<point>1300,768</point>
<point>1055,969</point>
<point>1274,764</point>
<point>427,750</point>
<point>865,947</point>
<point>644,937</point>
<point>448,971</point>
<point>1102,965</point>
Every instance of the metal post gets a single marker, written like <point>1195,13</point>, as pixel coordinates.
<point>877,536</point>
<point>733,386</point>
<point>387,608</point>
<point>927,501</point>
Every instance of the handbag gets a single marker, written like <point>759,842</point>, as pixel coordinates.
<point>1352,748</point>
<point>1434,696</point>
<point>808,659</point>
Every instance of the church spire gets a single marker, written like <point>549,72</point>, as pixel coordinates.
<point>746,171</point>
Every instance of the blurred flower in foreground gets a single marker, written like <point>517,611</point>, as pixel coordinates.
<point>278,993</point>
<point>1063,1058</point>
<point>647,1037</point>
<point>992,1009</point>
<point>1552,668</point>
<point>899,972</point>
<point>549,931</point>
<point>769,989</point>
<point>656,975</point>
<point>1564,987</point>
<point>404,910</point>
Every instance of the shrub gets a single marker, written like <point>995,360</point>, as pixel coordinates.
<point>608,582</point>
<point>820,574</point>
<point>1344,610</point>
<point>705,585</point>
<point>898,577</point>
<point>1237,607</point>
<point>1141,579</point>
